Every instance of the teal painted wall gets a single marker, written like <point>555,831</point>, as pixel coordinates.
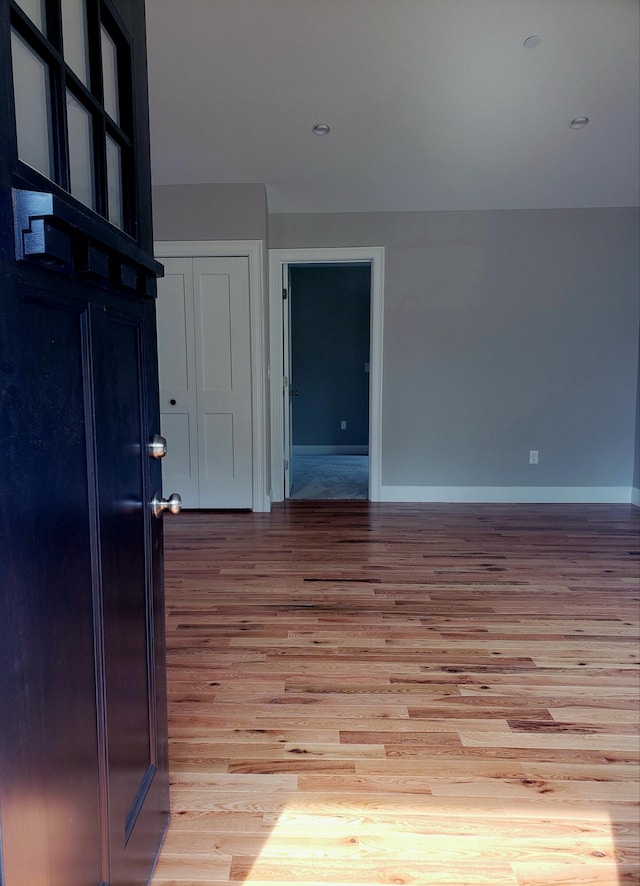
<point>330,347</point>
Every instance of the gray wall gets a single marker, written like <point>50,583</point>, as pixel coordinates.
<point>210,212</point>
<point>504,331</point>
<point>329,350</point>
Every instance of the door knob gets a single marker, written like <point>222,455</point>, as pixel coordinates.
<point>294,393</point>
<point>157,448</point>
<point>173,504</point>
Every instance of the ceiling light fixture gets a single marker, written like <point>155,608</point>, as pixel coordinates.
<point>578,122</point>
<point>532,42</point>
<point>321,129</point>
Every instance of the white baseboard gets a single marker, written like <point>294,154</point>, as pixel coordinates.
<point>329,450</point>
<point>635,497</point>
<point>509,494</point>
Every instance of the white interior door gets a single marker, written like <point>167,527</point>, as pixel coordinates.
<point>177,365</point>
<point>223,366</point>
<point>204,344</point>
<point>286,394</point>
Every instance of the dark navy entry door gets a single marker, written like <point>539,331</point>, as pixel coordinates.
<point>83,744</point>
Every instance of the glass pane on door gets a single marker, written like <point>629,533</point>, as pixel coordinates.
<point>36,12</point>
<point>33,106</point>
<point>114,183</point>
<point>110,75</point>
<point>81,169</point>
<point>75,38</point>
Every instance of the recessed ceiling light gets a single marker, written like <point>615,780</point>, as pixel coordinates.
<point>532,42</point>
<point>321,129</point>
<point>578,122</point>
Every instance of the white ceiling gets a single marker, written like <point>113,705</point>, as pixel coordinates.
<point>433,104</point>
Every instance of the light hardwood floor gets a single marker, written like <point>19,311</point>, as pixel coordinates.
<point>403,694</point>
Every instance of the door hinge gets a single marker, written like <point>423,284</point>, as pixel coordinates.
<point>286,464</point>
<point>285,295</point>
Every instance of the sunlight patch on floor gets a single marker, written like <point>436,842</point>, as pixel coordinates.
<point>334,841</point>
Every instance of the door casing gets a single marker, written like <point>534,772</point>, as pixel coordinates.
<point>279,261</point>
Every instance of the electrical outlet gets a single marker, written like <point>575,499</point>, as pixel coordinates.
<point>343,426</point>
<point>533,456</point>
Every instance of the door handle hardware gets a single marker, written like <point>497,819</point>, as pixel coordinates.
<point>157,448</point>
<point>173,504</point>
<point>294,393</point>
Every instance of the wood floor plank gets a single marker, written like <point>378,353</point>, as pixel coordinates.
<point>420,694</point>
<point>607,874</point>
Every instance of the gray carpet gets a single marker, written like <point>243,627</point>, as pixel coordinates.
<point>330,476</point>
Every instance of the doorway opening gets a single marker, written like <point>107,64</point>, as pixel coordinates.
<point>325,427</point>
<point>328,308</point>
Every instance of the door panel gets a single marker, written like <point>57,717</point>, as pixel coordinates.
<point>48,734</point>
<point>178,468</point>
<point>123,512</point>
<point>178,399</point>
<point>218,446</point>
<point>223,364</point>
<point>127,581</point>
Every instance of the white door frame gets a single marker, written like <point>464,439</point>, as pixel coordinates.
<point>279,261</point>
<point>252,250</point>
